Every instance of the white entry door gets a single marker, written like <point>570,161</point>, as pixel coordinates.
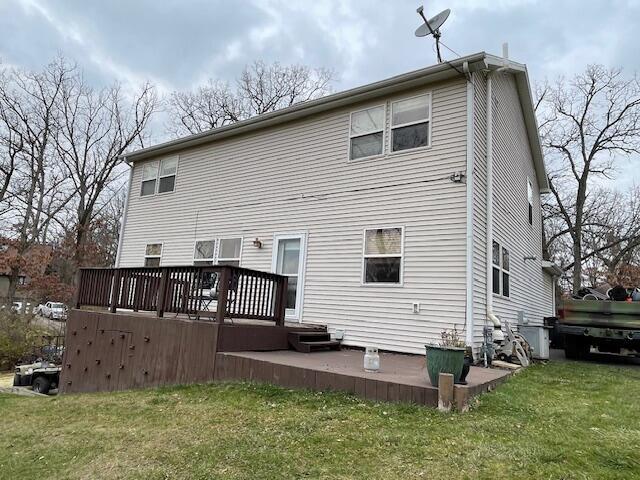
<point>289,253</point>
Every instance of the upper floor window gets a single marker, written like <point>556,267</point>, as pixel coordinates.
<point>530,199</point>
<point>383,255</point>
<point>501,275</point>
<point>366,134</point>
<point>152,255</point>
<point>159,176</point>
<point>410,120</point>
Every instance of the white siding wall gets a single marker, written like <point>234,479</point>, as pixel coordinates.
<point>297,178</point>
<point>513,165</point>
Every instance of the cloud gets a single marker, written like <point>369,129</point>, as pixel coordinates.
<point>178,44</point>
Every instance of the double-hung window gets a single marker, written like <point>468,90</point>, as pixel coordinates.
<point>204,252</point>
<point>410,119</point>
<point>382,259</point>
<point>152,255</point>
<point>530,200</point>
<point>501,280</point>
<point>229,251</point>
<point>159,176</point>
<point>366,134</point>
<point>149,178</point>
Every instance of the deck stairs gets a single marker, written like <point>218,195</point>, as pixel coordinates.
<point>310,341</point>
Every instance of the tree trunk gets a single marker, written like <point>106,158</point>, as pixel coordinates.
<point>577,264</point>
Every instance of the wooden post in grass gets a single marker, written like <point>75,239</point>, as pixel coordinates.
<point>445,392</point>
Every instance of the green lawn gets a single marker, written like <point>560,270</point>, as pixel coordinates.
<point>555,421</point>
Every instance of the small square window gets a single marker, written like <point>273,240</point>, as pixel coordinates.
<point>204,252</point>
<point>152,255</point>
<point>229,251</point>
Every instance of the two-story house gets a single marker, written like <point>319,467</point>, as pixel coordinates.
<point>396,209</point>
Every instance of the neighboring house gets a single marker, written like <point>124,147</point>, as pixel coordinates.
<point>34,257</point>
<point>366,200</point>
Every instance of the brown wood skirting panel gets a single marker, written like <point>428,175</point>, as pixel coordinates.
<point>244,366</point>
<point>120,351</point>
<point>106,352</point>
<point>231,367</point>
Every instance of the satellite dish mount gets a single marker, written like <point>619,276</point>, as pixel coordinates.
<point>432,27</point>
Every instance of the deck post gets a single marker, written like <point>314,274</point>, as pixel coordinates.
<point>115,290</point>
<point>223,294</point>
<point>281,301</point>
<point>162,292</point>
<point>445,392</point>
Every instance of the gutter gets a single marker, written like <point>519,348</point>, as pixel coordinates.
<point>124,216</point>
<point>470,186</point>
<point>489,207</point>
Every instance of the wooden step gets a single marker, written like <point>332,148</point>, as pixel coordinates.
<point>300,336</point>
<point>311,341</point>
<point>322,345</point>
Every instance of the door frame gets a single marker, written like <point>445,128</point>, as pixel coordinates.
<point>296,314</point>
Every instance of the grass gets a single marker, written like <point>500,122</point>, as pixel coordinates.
<point>554,421</point>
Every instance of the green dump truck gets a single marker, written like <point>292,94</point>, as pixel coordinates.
<point>610,326</point>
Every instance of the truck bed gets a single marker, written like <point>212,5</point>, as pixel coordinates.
<point>600,313</point>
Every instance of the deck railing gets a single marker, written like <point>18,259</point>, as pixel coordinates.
<point>218,291</point>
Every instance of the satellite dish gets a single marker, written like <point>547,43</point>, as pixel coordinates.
<point>432,27</point>
<point>433,24</point>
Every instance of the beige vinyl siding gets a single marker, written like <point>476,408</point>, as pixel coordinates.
<point>513,165</point>
<point>296,178</point>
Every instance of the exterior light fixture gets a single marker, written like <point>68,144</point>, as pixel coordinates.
<point>257,243</point>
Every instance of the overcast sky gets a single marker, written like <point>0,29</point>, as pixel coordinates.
<point>177,44</point>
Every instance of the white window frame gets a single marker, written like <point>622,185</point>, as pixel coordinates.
<point>529,201</point>
<point>159,257</point>
<point>215,248</point>
<point>392,127</point>
<point>219,249</point>
<point>501,270</point>
<point>159,176</point>
<point>383,130</point>
<point>363,281</point>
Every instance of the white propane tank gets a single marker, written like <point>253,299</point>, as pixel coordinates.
<point>371,359</point>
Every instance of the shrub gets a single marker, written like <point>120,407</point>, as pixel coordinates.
<point>18,335</point>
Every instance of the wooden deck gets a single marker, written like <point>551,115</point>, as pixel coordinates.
<point>402,378</point>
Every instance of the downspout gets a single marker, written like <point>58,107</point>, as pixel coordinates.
<point>470,173</point>
<point>489,156</point>
<point>124,216</point>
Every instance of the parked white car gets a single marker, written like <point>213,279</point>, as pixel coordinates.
<point>54,310</point>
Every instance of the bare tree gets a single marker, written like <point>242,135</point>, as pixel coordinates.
<point>587,124</point>
<point>95,128</point>
<point>261,88</point>
<point>28,106</point>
